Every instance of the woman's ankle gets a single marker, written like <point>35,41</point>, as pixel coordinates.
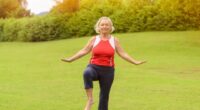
<point>90,100</point>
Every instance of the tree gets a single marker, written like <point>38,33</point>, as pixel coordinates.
<point>13,8</point>
<point>64,6</point>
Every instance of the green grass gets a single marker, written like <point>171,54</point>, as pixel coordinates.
<point>32,77</point>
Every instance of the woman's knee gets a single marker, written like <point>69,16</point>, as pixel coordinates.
<point>87,73</point>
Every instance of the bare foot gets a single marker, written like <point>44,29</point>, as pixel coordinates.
<point>89,104</point>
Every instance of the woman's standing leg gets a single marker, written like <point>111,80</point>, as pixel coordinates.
<point>105,82</point>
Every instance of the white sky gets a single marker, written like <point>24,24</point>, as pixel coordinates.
<point>37,6</point>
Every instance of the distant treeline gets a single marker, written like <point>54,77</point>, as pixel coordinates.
<point>74,18</point>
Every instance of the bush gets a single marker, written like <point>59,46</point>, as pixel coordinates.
<point>128,16</point>
<point>32,29</point>
<point>11,29</point>
<point>43,28</point>
<point>1,28</point>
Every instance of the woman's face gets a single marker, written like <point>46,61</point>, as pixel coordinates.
<point>105,26</point>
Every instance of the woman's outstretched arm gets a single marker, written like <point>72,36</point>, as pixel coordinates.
<point>87,48</point>
<point>120,51</point>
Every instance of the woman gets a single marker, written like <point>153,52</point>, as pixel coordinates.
<point>101,66</point>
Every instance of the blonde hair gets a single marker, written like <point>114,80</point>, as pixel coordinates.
<point>96,27</point>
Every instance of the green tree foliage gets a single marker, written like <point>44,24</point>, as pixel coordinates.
<point>75,18</point>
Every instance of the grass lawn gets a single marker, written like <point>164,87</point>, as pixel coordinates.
<point>32,77</point>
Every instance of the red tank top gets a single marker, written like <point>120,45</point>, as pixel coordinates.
<point>103,52</point>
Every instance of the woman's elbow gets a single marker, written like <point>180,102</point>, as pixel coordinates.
<point>120,54</point>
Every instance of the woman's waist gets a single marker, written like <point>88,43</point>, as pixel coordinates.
<point>101,66</point>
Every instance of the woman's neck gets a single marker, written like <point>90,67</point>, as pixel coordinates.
<point>104,36</point>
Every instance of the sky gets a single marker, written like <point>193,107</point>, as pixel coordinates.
<point>38,6</point>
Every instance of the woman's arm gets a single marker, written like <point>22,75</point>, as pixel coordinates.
<point>82,52</point>
<point>120,51</point>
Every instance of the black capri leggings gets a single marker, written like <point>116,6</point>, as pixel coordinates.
<point>105,76</point>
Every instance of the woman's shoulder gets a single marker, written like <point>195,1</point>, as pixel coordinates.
<point>92,40</point>
<point>115,38</point>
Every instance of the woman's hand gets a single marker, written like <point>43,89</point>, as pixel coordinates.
<point>66,60</point>
<point>139,62</point>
